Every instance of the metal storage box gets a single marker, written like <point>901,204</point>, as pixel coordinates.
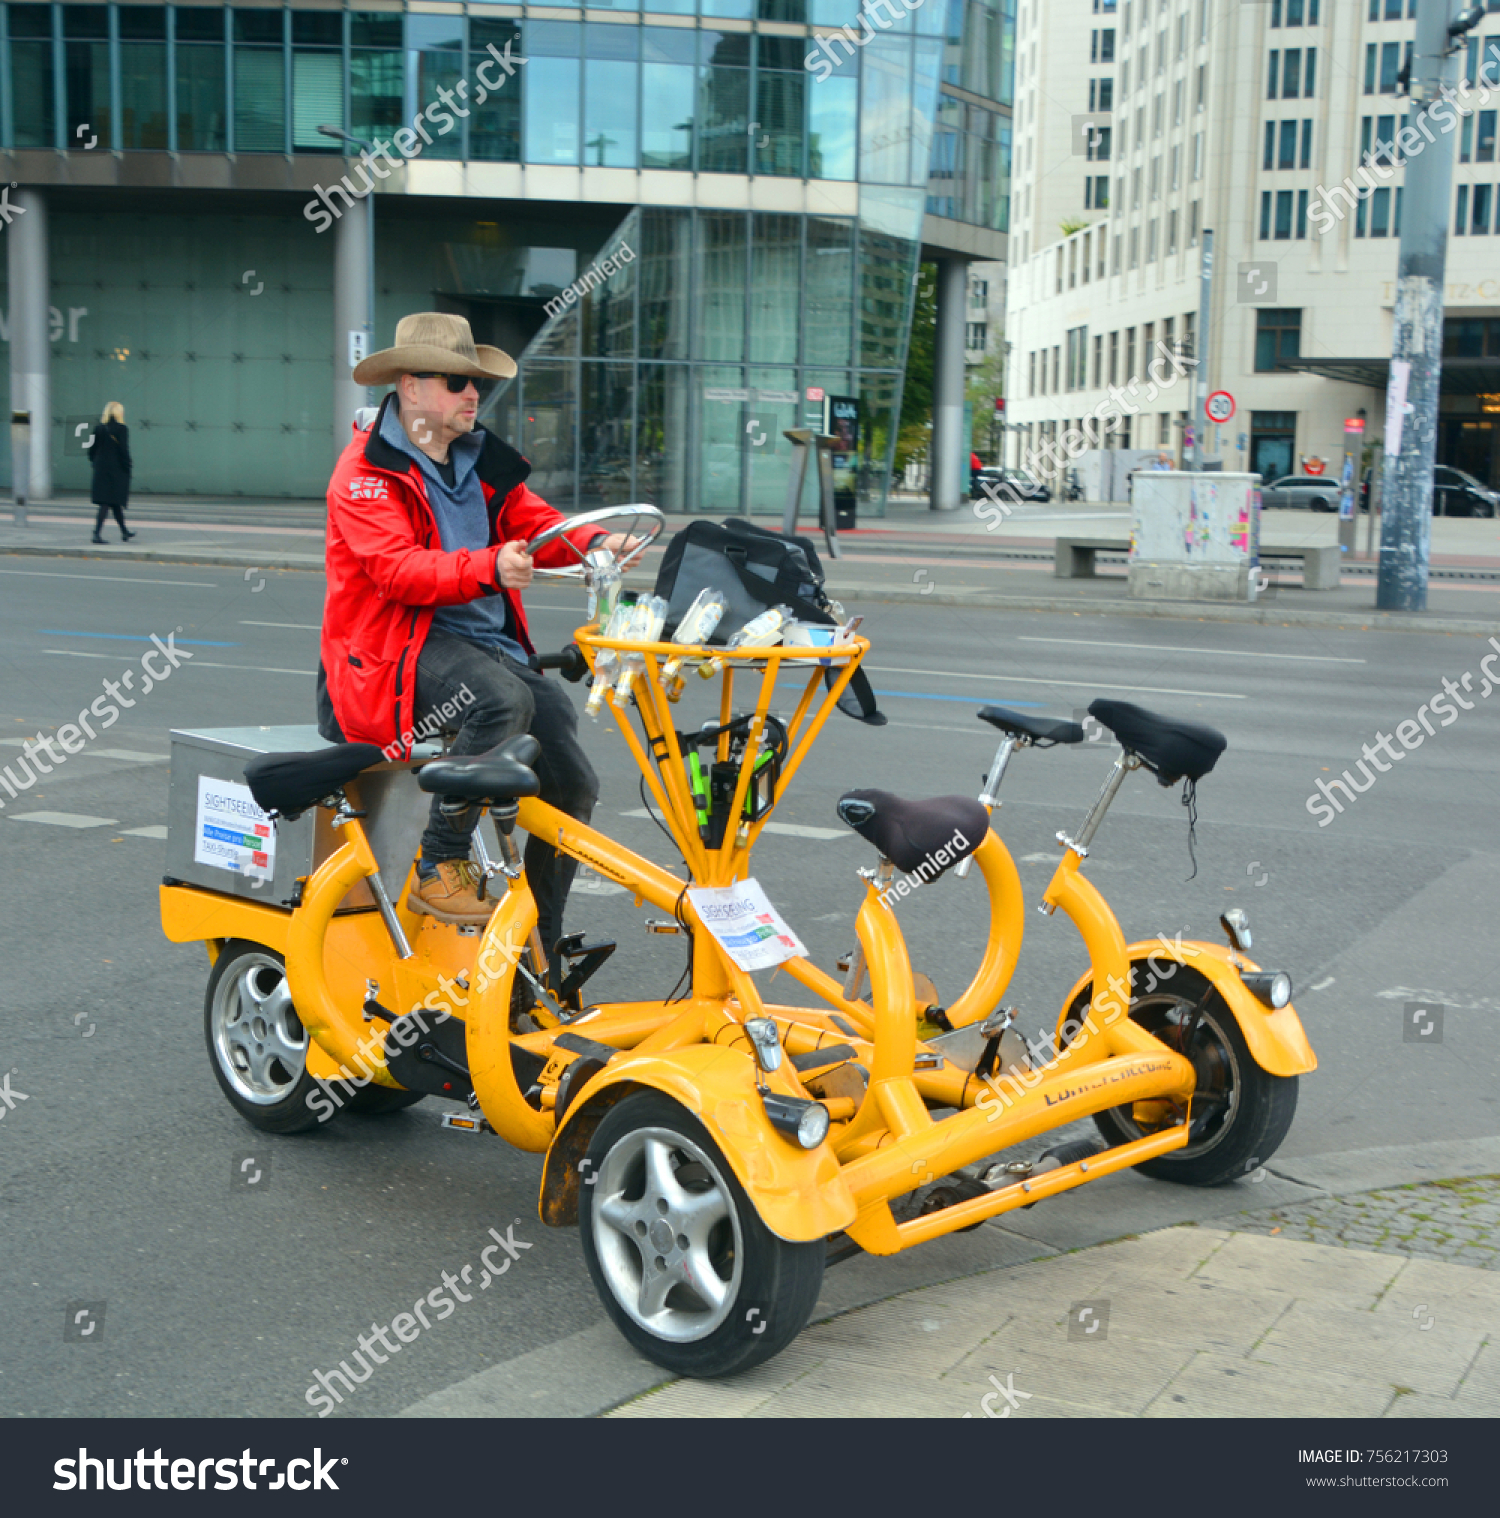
<point>213,824</point>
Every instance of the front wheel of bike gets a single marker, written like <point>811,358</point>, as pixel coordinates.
<point>1240,1112</point>
<point>679,1256</point>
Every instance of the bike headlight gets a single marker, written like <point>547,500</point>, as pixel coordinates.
<point>804,1121</point>
<point>1236,928</point>
<point>1273,987</point>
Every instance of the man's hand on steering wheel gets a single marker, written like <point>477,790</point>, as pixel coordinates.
<point>619,543</point>
<point>513,565</point>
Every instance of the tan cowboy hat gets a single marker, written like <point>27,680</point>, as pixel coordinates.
<point>438,343</point>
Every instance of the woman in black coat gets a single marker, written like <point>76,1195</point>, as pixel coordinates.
<point>109,452</point>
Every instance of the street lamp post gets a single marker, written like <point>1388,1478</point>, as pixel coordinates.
<point>1416,355</point>
<point>368,149</point>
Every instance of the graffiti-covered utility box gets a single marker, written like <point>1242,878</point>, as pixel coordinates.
<point>1194,537</point>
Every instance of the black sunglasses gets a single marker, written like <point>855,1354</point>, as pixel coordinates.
<point>458,383</point>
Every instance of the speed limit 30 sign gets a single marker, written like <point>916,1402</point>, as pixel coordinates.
<point>1219,407</point>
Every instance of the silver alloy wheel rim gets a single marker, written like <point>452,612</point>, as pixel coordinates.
<point>660,1240</point>
<point>259,1040</point>
<point>1184,1008</point>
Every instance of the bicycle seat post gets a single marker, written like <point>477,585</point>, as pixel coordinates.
<point>1121,767</point>
<point>988,797</point>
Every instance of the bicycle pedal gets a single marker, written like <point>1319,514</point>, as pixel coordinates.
<point>461,1122</point>
<point>584,961</point>
<point>662,925</point>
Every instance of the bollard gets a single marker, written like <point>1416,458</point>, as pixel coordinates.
<point>20,463</point>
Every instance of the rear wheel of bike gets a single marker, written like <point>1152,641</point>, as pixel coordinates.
<point>256,1042</point>
<point>1240,1112</point>
<point>681,1259</point>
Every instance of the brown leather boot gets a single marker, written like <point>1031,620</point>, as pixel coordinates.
<point>451,894</point>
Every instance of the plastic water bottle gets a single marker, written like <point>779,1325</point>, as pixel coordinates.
<point>763,631</point>
<point>607,660</point>
<point>645,625</point>
<point>695,629</point>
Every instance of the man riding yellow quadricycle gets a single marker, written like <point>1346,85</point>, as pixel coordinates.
<point>716,1150</point>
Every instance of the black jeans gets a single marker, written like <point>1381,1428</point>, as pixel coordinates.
<point>496,699</point>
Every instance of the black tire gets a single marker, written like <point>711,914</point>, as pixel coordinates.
<point>256,1042</point>
<point>377,1101</point>
<point>771,1285</point>
<point>1319,504</point>
<point>1241,1113</point>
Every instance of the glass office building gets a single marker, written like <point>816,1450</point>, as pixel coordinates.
<point>775,189</point>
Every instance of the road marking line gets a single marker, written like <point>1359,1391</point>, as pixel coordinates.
<point>97,753</point>
<point>151,832</point>
<point>68,632</point>
<point>922,695</point>
<point>57,574</point>
<point>1152,690</point>
<point>254,669</point>
<point>64,819</point>
<point>786,829</point>
<point>1167,648</point>
<point>306,627</point>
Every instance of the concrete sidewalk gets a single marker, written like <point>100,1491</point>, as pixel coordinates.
<point>1247,1320</point>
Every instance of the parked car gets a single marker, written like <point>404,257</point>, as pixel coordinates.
<point>1456,494</point>
<point>1301,492</point>
<point>1020,483</point>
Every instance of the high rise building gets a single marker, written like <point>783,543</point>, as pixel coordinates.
<point>1278,124</point>
<point>774,169</point>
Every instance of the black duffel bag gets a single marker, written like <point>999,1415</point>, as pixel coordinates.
<point>755,569</point>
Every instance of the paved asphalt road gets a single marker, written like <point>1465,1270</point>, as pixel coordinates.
<point>115,1169</point>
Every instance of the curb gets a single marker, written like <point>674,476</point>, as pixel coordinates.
<point>153,556</point>
<point>597,1371</point>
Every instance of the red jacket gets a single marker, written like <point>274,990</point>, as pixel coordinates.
<point>388,572</point>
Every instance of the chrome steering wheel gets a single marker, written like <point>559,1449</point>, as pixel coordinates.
<point>594,559</point>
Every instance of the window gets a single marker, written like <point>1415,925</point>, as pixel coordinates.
<point>1271,73</point>
<point>979,292</point>
<point>1129,353</point>
<point>1056,351</point>
<point>1177,90</point>
<point>1098,360</point>
<point>780,85</point>
<point>1182,26</point>
<point>1176,176</point>
<point>1265,214</point>
<point>1172,232</point>
<point>1102,45</point>
<point>1135,247</point>
<point>1309,75</point>
<point>1465,140</point>
<point>1390,66</point>
<point>1200,87</point>
<point>1370,58</point>
<point>494,124</point>
<point>1278,335</point>
<point>86,74</point>
<point>1479,221</point>
<point>1151,228</point>
<point>1031,373</point>
<point>435,55</point>
<point>1096,192</point>
<point>551,90</point>
<point>143,77</point>
<point>317,78</point>
<point>259,81</point>
<point>1114,358</point>
<point>1197,155</point>
<point>1097,145</point>
<point>1287,151</point>
<point>1484,146</point>
<point>376,75</point>
<point>1461,220</point>
<point>976,336</point>
<point>1161,51</point>
<point>1155,191</point>
<point>1291,73</point>
<point>1101,94</point>
<point>1156,116</point>
<point>1301,230</point>
<point>1305,161</point>
<point>1135,189</point>
<point>1193,225</point>
<point>1283,215</point>
<point>202,105</point>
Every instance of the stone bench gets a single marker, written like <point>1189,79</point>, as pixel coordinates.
<point>1074,559</point>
